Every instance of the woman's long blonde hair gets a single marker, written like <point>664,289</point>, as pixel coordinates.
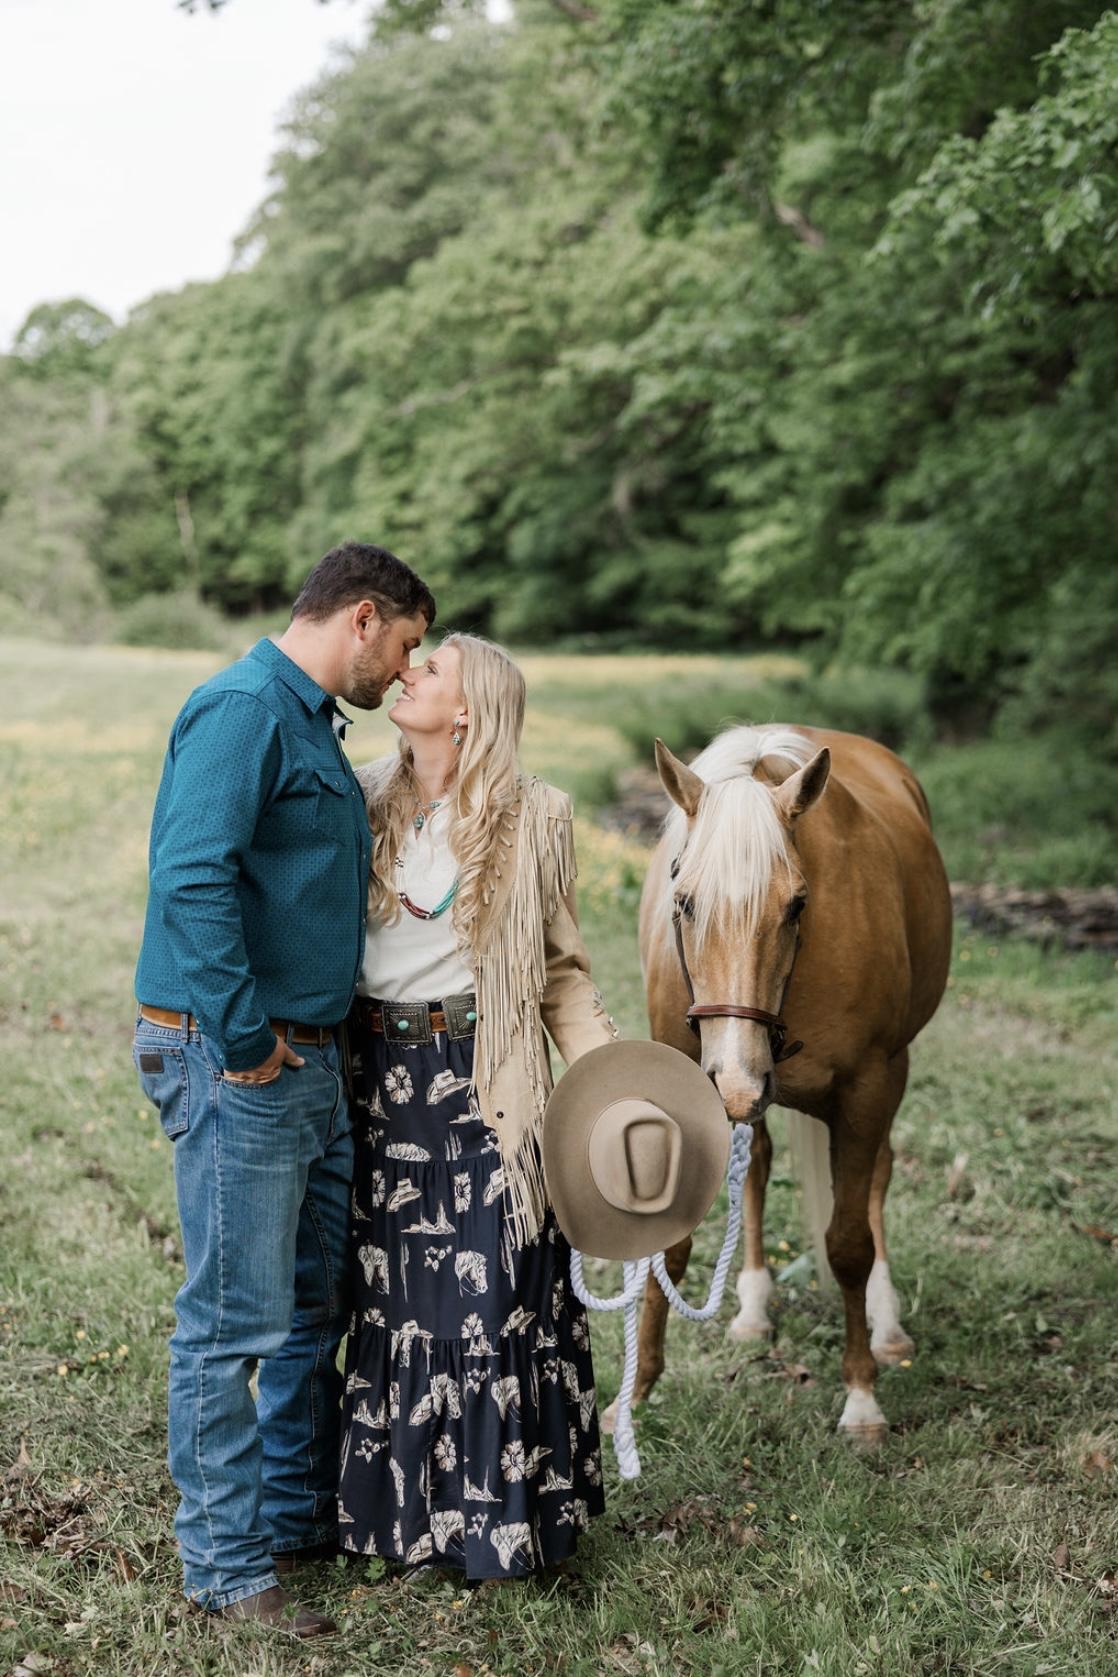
<point>484,785</point>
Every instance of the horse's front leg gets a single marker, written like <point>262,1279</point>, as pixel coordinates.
<point>654,1319</point>
<point>755,1283</point>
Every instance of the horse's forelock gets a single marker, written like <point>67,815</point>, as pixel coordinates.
<point>737,837</point>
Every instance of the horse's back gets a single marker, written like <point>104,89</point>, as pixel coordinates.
<point>877,776</point>
<point>886,800</point>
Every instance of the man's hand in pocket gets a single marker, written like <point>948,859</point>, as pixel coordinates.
<point>280,1056</point>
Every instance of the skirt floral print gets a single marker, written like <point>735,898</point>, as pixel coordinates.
<point>470,1426</point>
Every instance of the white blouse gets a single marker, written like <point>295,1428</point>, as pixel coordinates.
<point>418,960</point>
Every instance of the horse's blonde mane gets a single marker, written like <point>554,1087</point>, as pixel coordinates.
<point>736,839</point>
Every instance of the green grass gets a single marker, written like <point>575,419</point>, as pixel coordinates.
<point>980,1540</point>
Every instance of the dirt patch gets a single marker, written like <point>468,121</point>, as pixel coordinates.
<point>640,806</point>
<point>1073,919</point>
<point>157,1233</point>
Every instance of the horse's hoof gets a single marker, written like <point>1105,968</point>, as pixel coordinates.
<point>865,1435</point>
<point>900,1349</point>
<point>745,1327</point>
<point>607,1419</point>
<point>861,1420</point>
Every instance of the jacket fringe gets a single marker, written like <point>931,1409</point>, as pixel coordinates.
<point>511,979</point>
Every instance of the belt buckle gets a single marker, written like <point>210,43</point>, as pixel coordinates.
<point>456,1008</point>
<point>408,1023</point>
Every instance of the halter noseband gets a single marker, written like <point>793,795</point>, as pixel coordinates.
<point>778,1030</point>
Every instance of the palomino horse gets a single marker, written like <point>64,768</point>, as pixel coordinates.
<point>795,935</point>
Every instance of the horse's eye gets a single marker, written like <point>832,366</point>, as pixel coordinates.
<point>686,907</point>
<point>795,909</point>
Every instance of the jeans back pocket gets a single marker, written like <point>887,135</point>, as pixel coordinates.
<point>161,1067</point>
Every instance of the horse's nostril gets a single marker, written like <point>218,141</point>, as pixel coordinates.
<point>764,1098</point>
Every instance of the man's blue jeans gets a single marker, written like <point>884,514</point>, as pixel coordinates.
<point>263,1177</point>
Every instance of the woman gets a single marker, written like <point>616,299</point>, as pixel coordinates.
<point>470,1432</point>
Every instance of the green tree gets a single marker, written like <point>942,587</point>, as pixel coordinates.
<point>62,340</point>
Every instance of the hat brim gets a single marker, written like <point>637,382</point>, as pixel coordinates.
<point>643,1071</point>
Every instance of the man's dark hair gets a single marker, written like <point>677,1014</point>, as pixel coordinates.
<point>356,571</point>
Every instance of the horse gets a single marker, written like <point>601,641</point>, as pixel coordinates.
<point>795,937</point>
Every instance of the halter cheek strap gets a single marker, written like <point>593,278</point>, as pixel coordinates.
<point>778,1030</point>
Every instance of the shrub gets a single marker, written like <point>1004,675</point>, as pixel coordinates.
<point>886,705</point>
<point>180,621</point>
<point>1033,811</point>
<point>19,622</point>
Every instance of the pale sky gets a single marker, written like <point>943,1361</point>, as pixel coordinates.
<point>135,139</point>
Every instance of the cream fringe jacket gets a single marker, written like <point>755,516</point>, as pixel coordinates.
<point>531,970</point>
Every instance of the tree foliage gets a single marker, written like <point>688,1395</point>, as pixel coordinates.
<point>674,322</point>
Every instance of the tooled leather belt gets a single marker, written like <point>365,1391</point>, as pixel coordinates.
<point>416,1022</point>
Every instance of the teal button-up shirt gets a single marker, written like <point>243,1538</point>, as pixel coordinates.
<point>259,860</point>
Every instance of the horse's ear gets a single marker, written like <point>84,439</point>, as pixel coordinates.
<point>801,789</point>
<point>682,784</point>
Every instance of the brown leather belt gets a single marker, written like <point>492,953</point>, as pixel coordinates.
<point>319,1035</point>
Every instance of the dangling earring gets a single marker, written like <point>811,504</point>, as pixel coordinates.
<point>455,736</point>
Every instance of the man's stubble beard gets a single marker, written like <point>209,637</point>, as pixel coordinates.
<point>369,680</point>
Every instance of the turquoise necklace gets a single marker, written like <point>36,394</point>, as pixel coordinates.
<point>414,908</point>
<point>429,913</point>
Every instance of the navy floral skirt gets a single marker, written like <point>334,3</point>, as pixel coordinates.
<point>470,1426</point>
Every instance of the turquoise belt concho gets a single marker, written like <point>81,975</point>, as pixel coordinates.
<point>418,1022</point>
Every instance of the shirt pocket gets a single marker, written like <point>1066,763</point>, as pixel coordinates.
<point>311,805</point>
<point>330,810</point>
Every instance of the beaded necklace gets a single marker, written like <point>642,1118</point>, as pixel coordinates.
<point>429,913</point>
<point>414,908</point>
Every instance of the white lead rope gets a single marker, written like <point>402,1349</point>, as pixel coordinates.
<point>635,1274</point>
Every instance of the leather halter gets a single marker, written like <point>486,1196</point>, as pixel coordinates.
<point>777,1029</point>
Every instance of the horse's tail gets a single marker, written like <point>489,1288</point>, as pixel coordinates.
<point>810,1143</point>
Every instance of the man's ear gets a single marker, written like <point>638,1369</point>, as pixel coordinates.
<point>364,618</point>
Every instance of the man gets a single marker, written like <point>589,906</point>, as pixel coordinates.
<point>254,938</point>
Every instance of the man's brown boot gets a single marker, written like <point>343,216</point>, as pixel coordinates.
<point>285,1563</point>
<point>276,1610</point>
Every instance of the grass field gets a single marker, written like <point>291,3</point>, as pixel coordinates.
<point>982,1539</point>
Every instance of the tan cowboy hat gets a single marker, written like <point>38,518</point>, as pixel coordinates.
<point>635,1145</point>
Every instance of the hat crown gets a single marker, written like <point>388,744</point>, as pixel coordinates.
<point>633,1152</point>
<point>635,1144</point>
